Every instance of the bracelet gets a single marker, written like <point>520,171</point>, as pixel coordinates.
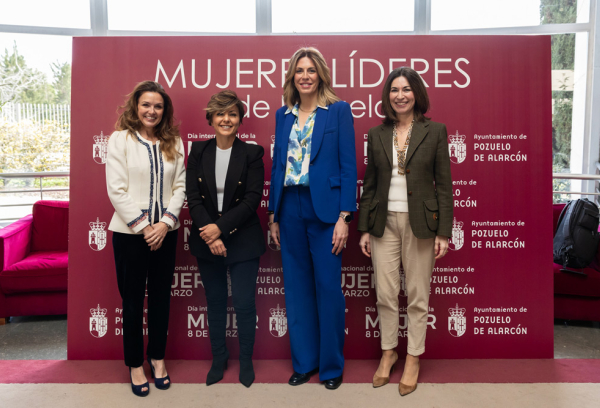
<point>270,212</point>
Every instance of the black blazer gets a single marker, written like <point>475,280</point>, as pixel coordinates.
<point>239,224</point>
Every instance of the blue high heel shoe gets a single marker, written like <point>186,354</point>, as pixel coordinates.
<point>137,389</point>
<point>159,382</point>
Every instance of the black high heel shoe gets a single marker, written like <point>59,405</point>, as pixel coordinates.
<point>137,389</point>
<point>159,382</point>
<point>219,365</point>
<point>246,372</point>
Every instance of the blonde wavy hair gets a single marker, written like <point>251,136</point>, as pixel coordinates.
<point>166,131</point>
<point>326,96</point>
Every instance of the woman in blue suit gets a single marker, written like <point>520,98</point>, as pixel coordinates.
<point>312,196</point>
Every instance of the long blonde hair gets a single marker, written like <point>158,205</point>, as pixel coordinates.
<point>166,131</point>
<point>326,96</point>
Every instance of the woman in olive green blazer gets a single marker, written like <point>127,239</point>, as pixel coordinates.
<point>405,215</point>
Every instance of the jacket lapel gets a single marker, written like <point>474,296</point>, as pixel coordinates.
<point>386,139</point>
<point>420,130</point>
<point>234,172</point>
<point>284,137</point>
<point>318,132</point>
<point>208,165</point>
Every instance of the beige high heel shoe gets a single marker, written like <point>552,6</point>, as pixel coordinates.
<point>407,389</point>
<point>381,381</point>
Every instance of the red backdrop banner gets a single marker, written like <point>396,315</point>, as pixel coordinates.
<point>491,296</point>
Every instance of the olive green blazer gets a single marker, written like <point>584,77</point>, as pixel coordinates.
<point>428,181</point>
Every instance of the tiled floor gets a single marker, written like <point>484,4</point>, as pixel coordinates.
<point>34,338</point>
<point>576,339</point>
<point>45,338</point>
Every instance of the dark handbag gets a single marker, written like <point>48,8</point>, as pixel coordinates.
<point>576,238</point>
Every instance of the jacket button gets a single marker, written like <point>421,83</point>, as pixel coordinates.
<point>410,193</point>
<point>407,171</point>
<point>200,179</point>
<point>435,216</point>
<point>237,199</point>
<point>202,196</point>
<point>239,183</point>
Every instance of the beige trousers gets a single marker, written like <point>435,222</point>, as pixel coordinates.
<point>399,244</point>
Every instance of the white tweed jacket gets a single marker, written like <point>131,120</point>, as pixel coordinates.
<point>134,188</point>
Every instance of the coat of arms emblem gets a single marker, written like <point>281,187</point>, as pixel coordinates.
<point>457,322</point>
<point>98,322</point>
<point>100,148</point>
<point>458,236</point>
<point>458,148</point>
<point>277,322</point>
<point>97,235</point>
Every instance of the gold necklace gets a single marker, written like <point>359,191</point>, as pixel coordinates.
<point>401,153</point>
<point>306,111</point>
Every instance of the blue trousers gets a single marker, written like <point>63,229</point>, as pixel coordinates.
<point>313,294</point>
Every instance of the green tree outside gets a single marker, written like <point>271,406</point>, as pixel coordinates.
<point>28,146</point>
<point>21,84</point>
<point>563,58</point>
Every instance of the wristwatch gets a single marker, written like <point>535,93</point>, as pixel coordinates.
<point>346,217</point>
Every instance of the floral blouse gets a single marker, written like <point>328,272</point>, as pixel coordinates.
<point>298,152</point>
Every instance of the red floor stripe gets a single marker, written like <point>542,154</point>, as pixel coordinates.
<point>278,371</point>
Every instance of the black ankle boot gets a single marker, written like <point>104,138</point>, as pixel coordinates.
<point>246,372</point>
<point>219,365</point>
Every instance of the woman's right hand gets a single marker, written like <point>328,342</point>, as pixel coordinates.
<point>148,231</point>
<point>274,228</point>
<point>218,248</point>
<point>365,244</point>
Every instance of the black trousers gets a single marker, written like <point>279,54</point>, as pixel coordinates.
<point>136,265</point>
<point>243,289</point>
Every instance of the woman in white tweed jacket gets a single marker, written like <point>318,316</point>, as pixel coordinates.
<point>145,179</point>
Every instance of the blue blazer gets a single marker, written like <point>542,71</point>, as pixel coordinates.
<point>332,170</point>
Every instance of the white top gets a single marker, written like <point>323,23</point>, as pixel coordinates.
<point>221,165</point>
<point>397,197</point>
<point>134,186</point>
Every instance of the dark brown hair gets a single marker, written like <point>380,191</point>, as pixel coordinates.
<point>326,96</point>
<point>418,88</point>
<point>222,102</point>
<point>166,131</point>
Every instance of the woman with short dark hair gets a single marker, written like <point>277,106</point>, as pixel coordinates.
<point>225,178</point>
<point>405,215</point>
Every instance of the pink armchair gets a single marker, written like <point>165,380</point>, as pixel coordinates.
<point>33,262</point>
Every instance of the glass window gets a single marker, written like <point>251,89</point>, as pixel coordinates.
<point>233,16</point>
<point>569,62</point>
<point>35,93</point>
<point>39,51</point>
<point>468,14</point>
<point>35,116</point>
<point>45,13</point>
<point>318,16</point>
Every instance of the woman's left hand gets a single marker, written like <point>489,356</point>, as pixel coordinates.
<point>210,233</point>
<point>155,238</point>
<point>441,246</point>
<point>340,236</point>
